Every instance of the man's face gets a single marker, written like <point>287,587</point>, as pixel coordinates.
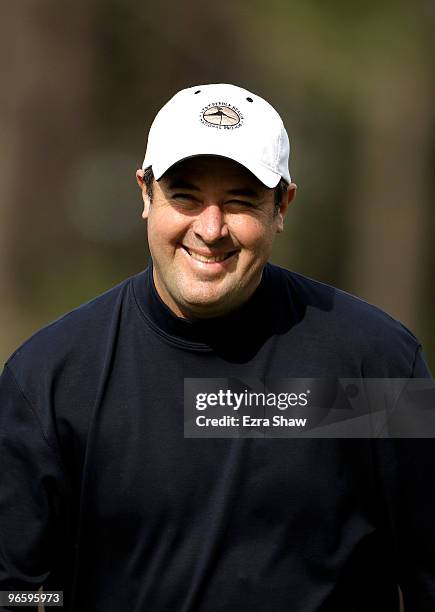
<point>211,226</point>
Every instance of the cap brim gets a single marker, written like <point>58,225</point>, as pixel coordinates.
<point>263,174</point>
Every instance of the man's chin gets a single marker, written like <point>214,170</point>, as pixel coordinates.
<point>205,306</point>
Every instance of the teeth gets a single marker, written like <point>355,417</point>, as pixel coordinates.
<point>205,259</point>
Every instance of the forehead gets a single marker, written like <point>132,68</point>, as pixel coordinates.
<point>211,169</point>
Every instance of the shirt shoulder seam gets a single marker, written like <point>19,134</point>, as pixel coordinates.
<point>7,368</point>
<point>417,349</point>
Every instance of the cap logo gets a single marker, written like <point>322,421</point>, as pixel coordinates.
<point>221,115</point>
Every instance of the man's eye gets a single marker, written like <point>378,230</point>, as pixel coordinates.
<point>185,200</point>
<point>181,196</point>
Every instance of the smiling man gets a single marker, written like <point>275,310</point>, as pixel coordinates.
<point>210,231</point>
<point>102,493</point>
<point>222,193</point>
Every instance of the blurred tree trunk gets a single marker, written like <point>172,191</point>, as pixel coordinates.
<point>45,60</point>
<point>9,148</point>
<point>389,212</point>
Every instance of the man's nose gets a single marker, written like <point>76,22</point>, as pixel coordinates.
<point>210,224</point>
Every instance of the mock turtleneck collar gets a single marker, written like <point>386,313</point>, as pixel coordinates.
<point>235,336</point>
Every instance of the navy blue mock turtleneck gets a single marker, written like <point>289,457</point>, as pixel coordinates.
<point>103,497</point>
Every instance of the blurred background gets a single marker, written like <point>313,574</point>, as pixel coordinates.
<point>81,83</point>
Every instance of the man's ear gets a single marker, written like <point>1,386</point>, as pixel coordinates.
<point>145,197</point>
<point>286,200</point>
<point>146,206</point>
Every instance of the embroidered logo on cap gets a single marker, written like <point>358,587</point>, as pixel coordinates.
<point>222,116</point>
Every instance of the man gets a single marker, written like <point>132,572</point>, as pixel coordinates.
<point>104,497</point>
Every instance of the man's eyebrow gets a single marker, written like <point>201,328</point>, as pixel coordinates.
<point>242,191</point>
<point>182,184</point>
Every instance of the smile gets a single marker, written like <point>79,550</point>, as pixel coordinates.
<point>209,258</point>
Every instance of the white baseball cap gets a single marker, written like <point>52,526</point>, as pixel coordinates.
<point>220,119</point>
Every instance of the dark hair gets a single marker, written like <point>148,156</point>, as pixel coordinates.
<point>148,178</point>
<point>280,189</point>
